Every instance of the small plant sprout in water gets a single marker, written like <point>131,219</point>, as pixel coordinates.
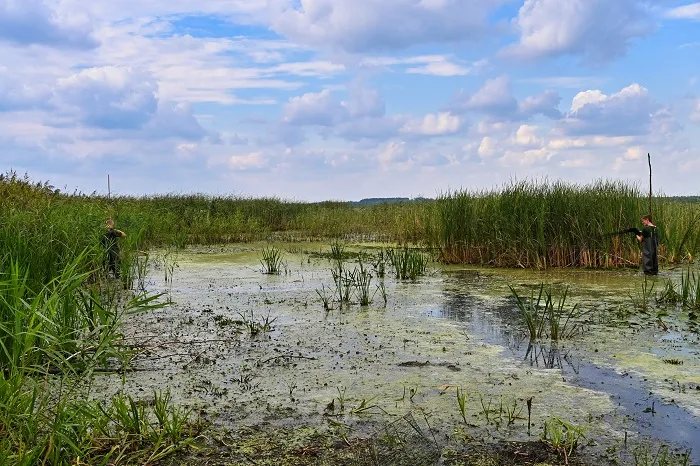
<point>643,456</point>
<point>462,404</point>
<point>272,260</point>
<point>562,436</point>
<point>255,326</point>
<point>642,299</point>
<point>325,293</point>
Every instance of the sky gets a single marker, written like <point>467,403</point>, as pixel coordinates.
<point>313,100</point>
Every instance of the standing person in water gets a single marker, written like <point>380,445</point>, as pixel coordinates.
<point>650,242</point>
<point>109,242</point>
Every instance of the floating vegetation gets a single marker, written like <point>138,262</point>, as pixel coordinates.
<point>673,361</point>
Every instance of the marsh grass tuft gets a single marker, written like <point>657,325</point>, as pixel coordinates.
<point>544,318</point>
<point>272,260</point>
<point>362,280</point>
<point>643,456</point>
<point>407,263</point>
<point>255,325</point>
<point>562,436</point>
<point>642,299</point>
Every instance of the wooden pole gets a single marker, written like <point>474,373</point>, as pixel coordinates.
<point>650,192</point>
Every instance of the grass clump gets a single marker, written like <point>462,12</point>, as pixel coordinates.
<point>546,319</point>
<point>272,260</point>
<point>408,264</point>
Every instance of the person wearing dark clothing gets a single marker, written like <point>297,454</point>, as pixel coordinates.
<point>650,242</point>
<point>111,246</point>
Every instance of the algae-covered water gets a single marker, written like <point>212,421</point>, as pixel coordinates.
<point>627,375</point>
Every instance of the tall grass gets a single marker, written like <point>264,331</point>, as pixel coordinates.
<point>553,224</point>
<point>60,320</point>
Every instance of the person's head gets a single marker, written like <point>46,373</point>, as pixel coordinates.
<point>646,220</point>
<point>109,223</point>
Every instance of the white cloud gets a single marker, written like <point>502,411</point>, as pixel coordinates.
<point>432,65</point>
<point>121,99</point>
<point>108,97</point>
<point>439,69</point>
<point>365,25</point>
<point>690,11</point>
<point>526,136</point>
<point>628,112</point>
<point>487,148</point>
<point>597,30</point>
<point>314,108</point>
<point>434,125</point>
<point>25,22</point>
<point>16,95</point>
<point>695,113</point>
<point>495,98</point>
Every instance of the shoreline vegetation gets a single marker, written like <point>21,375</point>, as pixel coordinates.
<point>60,319</point>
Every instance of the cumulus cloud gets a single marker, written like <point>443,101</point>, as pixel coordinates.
<point>108,97</point>
<point>434,125</point>
<point>496,99</point>
<point>365,25</point>
<point>314,108</point>
<point>362,116</point>
<point>596,30</point>
<point>629,112</point>
<point>25,22</point>
<point>121,98</point>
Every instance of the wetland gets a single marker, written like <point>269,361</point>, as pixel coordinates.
<point>261,351</point>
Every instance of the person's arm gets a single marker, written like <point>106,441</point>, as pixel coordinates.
<point>120,233</point>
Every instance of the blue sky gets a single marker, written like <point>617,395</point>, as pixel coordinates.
<point>323,99</point>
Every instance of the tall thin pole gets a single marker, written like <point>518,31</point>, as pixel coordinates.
<point>109,189</point>
<point>649,159</point>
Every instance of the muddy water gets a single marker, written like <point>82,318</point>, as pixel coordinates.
<point>456,327</point>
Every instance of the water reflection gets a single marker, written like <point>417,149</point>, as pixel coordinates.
<point>497,320</point>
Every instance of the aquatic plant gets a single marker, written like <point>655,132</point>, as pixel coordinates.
<point>381,287</point>
<point>545,318</point>
<point>326,298</point>
<point>669,294</point>
<point>254,325</point>
<point>555,224</point>
<point>362,280</point>
<point>407,263</point>
<point>642,298</point>
<point>662,457</point>
<point>462,404</point>
<point>272,260</point>
<point>562,436</point>
<point>690,291</point>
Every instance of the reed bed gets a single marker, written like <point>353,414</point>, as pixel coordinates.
<point>553,224</point>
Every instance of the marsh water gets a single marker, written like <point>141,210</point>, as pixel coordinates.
<point>629,376</point>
